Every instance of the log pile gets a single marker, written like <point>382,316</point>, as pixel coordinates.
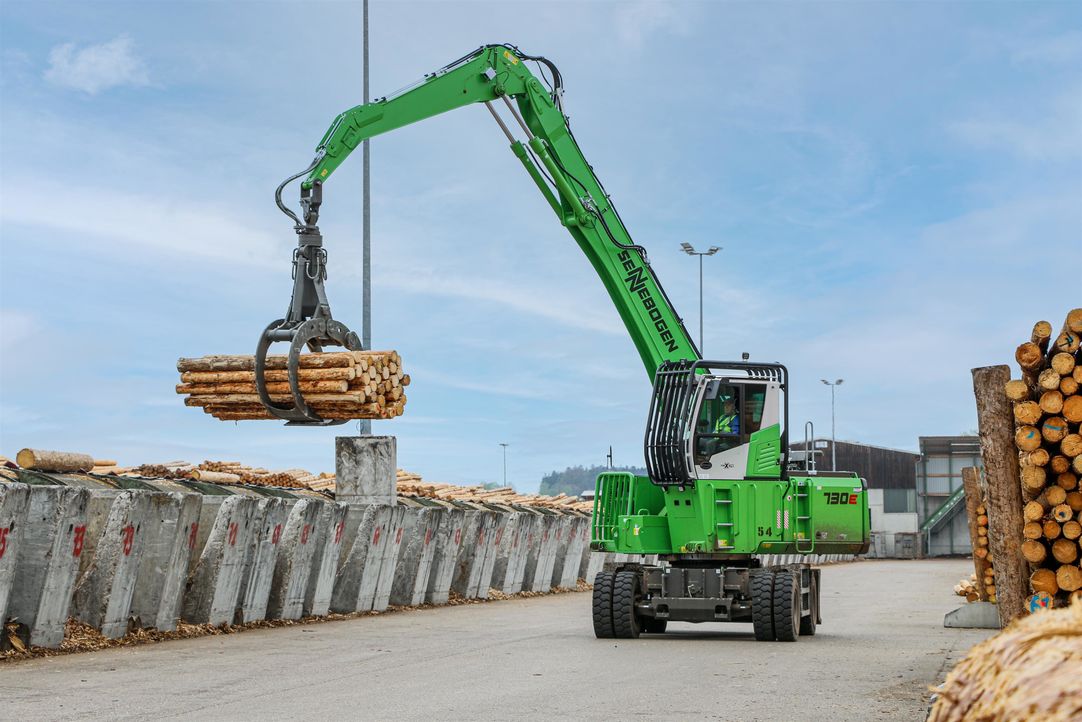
<point>968,588</point>
<point>1047,408</point>
<point>413,485</point>
<point>338,386</point>
<point>1029,671</point>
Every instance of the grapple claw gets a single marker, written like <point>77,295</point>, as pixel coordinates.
<point>308,320</point>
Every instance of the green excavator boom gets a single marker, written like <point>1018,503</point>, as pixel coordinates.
<point>498,76</point>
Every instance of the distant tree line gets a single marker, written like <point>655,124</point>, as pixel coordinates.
<point>576,479</point>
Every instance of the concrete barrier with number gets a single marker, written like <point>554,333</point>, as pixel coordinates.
<point>50,548</point>
<point>214,585</point>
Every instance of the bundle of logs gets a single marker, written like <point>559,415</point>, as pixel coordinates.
<point>337,386</point>
<point>1047,412</point>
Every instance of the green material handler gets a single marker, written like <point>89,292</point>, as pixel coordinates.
<point>720,490</point>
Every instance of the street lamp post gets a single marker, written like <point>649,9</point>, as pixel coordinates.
<point>833,438</point>
<point>504,462</point>
<point>690,250</point>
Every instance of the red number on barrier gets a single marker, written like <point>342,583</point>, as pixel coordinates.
<point>276,534</point>
<point>375,535</point>
<point>128,535</point>
<point>193,532</point>
<point>546,537</point>
<point>428,536</point>
<point>338,531</point>
<point>398,536</point>
<point>77,543</point>
<point>458,536</point>
<point>499,535</point>
<point>232,533</point>
<point>3,541</point>
<point>304,534</point>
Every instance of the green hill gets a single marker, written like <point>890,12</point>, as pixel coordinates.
<point>576,479</point>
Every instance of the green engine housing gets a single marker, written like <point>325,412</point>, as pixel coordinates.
<point>809,514</point>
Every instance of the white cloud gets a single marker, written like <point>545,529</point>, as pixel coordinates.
<point>635,21</point>
<point>176,227</point>
<point>1054,132</point>
<point>97,67</point>
<point>567,310</point>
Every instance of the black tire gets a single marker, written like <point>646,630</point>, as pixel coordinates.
<point>762,604</point>
<point>786,605</point>
<point>625,591</point>
<point>654,626</point>
<point>603,605</point>
<point>807,624</point>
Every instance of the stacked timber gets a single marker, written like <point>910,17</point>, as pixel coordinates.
<point>410,484</point>
<point>1029,671</point>
<point>338,386</point>
<point>1047,410</point>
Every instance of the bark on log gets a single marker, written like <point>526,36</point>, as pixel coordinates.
<point>59,461</point>
<point>1004,490</point>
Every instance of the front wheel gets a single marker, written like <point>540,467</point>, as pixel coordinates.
<point>602,605</point>
<point>625,592</point>
<point>786,605</point>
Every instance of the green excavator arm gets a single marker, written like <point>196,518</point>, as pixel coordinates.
<point>498,76</point>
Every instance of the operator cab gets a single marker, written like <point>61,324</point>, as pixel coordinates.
<point>717,420</point>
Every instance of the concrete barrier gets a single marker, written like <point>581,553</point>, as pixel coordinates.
<point>414,570</point>
<point>213,588</point>
<point>169,538</point>
<point>516,571</point>
<point>358,571</point>
<point>539,577</point>
<point>260,559</point>
<point>389,561</point>
<point>471,558</point>
<point>294,563</point>
<point>489,551</point>
<point>448,544</point>
<point>566,572</point>
<point>50,547</point>
<point>595,563</point>
<point>13,502</point>
<point>329,533</point>
<point>507,551</point>
<point>103,594</point>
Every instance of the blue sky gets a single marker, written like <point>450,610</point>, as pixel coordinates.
<point>896,186</point>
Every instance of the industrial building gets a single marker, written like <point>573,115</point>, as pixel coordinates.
<point>940,496</point>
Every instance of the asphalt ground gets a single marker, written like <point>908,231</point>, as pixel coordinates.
<point>881,644</point>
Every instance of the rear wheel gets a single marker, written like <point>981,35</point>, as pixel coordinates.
<point>762,604</point>
<point>786,605</point>
<point>625,592</point>
<point>602,610</point>
<point>807,624</point>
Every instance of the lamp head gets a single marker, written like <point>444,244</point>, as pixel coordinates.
<point>688,248</point>
<point>713,250</point>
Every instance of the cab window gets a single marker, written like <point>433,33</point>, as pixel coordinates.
<point>729,414</point>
